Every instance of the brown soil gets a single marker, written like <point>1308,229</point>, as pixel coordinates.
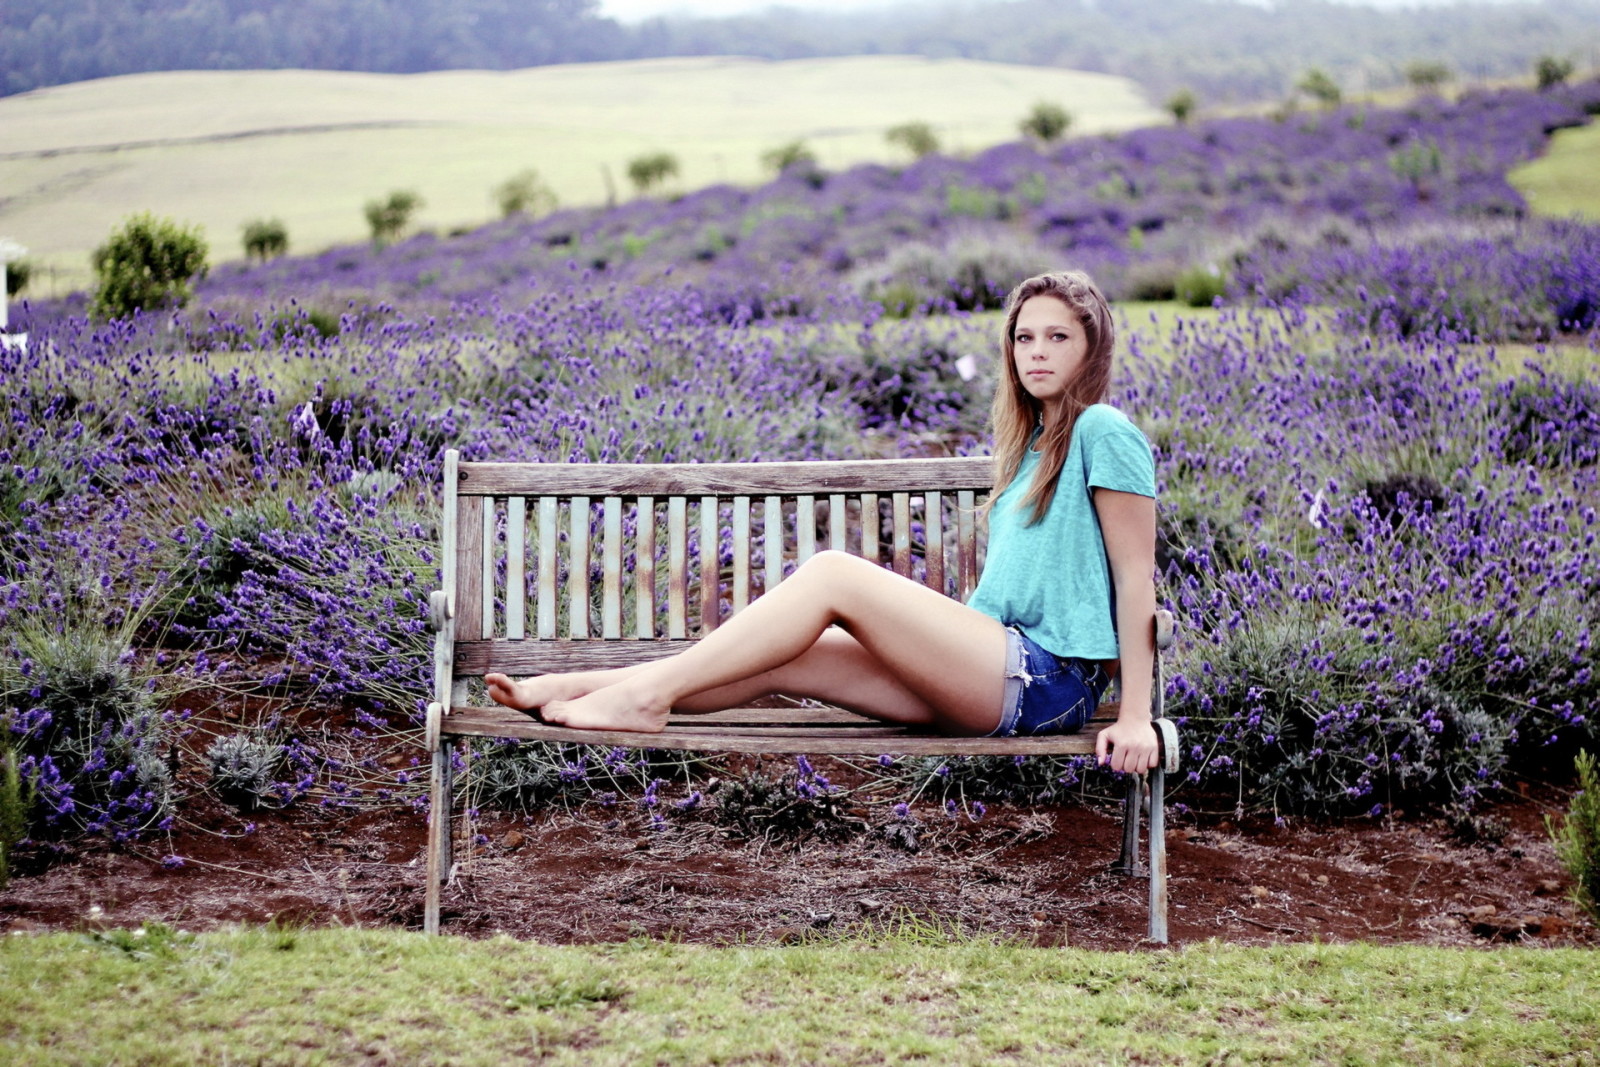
<point>1037,874</point>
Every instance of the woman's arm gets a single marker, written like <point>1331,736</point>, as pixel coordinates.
<point>1128,525</point>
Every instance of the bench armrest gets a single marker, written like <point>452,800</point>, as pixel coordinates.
<point>441,609</point>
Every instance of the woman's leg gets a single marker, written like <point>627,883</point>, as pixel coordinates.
<point>836,668</point>
<point>929,649</point>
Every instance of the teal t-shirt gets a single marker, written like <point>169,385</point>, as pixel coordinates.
<point>1052,580</point>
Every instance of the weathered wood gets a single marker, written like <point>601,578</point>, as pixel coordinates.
<point>486,568</point>
<point>902,534</point>
<point>516,563</point>
<point>549,535</point>
<point>741,553</point>
<point>838,523</point>
<point>870,519</point>
<point>644,569</point>
<point>677,567</point>
<point>611,568</point>
<point>805,527</point>
<point>578,568</point>
<point>772,541</point>
<point>827,739</point>
<point>722,479</point>
<point>933,550</point>
<point>469,569</point>
<point>966,544</point>
<point>710,566</point>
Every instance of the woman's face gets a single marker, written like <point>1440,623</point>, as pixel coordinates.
<point>1048,346</point>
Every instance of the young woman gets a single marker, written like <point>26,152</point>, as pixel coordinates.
<point>1066,599</point>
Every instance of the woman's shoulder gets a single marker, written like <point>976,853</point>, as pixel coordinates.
<point>1103,418</point>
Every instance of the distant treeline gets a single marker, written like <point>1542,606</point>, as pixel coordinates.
<point>1224,50</point>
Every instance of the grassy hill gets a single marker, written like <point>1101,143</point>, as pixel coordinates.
<point>1565,181</point>
<point>310,147</point>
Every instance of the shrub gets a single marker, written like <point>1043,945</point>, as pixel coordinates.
<point>19,272</point>
<point>265,239</point>
<point>1551,71</point>
<point>88,732</point>
<point>1320,86</point>
<point>794,154</point>
<point>917,138</point>
<point>1427,75</point>
<point>147,264</point>
<point>242,769</point>
<point>1181,105</point>
<point>14,803</point>
<point>1577,839</point>
<point>803,803</point>
<point>389,217</point>
<point>648,171</point>
<point>1200,287</point>
<point>524,193</point>
<point>1047,122</point>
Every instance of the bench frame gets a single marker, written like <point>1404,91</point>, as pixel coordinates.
<point>515,543</point>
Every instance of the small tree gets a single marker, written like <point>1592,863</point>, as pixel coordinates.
<point>19,272</point>
<point>1577,838</point>
<point>1047,122</point>
<point>1427,75</point>
<point>265,239</point>
<point>917,138</point>
<point>524,193</point>
<point>389,218</point>
<point>1320,86</point>
<point>796,155</point>
<point>1551,71</point>
<point>147,264</point>
<point>1181,105</point>
<point>648,171</point>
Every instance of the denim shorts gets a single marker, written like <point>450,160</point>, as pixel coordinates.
<point>1046,693</point>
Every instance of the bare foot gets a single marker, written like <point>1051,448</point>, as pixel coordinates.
<point>532,693</point>
<point>616,707</point>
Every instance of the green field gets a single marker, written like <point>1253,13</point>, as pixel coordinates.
<point>1565,181</point>
<point>311,147</point>
<point>278,996</point>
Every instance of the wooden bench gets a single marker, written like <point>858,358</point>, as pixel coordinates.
<point>528,590</point>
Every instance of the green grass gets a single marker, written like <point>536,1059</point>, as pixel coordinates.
<point>219,148</point>
<point>349,996</point>
<point>1565,181</point>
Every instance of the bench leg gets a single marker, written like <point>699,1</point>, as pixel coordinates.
<point>1158,856</point>
<point>1128,862</point>
<point>441,786</point>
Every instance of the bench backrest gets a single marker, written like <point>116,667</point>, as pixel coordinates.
<point>545,555</point>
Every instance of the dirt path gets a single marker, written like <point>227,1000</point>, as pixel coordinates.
<point>1039,874</point>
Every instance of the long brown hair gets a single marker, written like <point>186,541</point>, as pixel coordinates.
<point>1015,413</point>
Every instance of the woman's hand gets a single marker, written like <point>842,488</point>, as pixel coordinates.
<point>1128,746</point>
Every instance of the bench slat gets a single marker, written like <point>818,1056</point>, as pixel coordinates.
<point>549,511</point>
<point>723,479</point>
<point>644,572</point>
<point>831,740</point>
<point>772,541</point>
<point>677,567</point>
<point>710,566</point>
<point>578,568</point>
<point>933,528</point>
<point>469,570</point>
<point>611,572</point>
<point>516,558</point>
<point>741,553</point>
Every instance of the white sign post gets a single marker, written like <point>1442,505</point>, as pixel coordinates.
<point>9,251</point>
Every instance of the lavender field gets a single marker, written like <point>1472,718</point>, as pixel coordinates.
<point>1378,439</point>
